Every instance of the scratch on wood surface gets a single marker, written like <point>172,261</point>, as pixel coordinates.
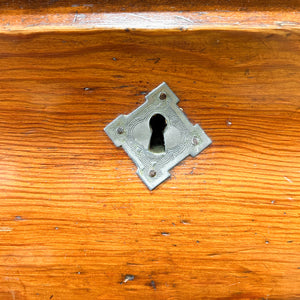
<point>128,277</point>
<point>75,18</point>
<point>286,23</point>
<point>288,179</point>
<point>141,16</point>
<point>13,294</point>
<point>234,283</point>
<point>186,19</point>
<point>165,233</point>
<point>185,222</point>
<point>5,229</point>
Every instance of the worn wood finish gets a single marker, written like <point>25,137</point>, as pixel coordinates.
<point>75,219</point>
<point>87,6</point>
<point>242,20</point>
<point>48,15</point>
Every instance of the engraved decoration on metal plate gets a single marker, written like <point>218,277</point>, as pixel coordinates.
<point>157,136</point>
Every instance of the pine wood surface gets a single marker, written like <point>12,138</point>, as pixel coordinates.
<point>74,217</point>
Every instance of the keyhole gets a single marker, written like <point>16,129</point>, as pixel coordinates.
<point>157,142</point>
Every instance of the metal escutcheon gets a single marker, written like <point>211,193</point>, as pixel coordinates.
<point>157,135</point>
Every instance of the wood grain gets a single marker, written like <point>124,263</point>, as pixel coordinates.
<point>75,219</point>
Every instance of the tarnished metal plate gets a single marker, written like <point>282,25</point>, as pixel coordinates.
<point>157,135</point>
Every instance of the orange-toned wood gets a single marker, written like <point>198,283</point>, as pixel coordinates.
<point>75,219</point>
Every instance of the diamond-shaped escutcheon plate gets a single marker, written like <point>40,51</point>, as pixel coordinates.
<point>157,135</point>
